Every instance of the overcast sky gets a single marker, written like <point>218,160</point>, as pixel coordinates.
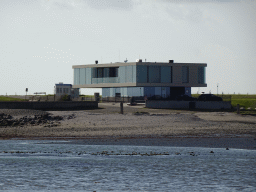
<point>40,40</point>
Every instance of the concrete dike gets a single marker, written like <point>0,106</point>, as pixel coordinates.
<point>50,105</point>
<point>162,104</point>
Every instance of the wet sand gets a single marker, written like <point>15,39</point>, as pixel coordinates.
<point>141,126</point>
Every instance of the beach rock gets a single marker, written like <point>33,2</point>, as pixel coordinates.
<point>15,123</point>
<point>58,118</point>
<point>141,113</point>
<point>7,120</point>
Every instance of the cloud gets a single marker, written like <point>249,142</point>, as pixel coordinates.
<point>113,4</point>
<point>200,1</point>
<point>96,4</point>
<point>61,4</point>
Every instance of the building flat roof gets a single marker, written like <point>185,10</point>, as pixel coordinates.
<point>63,84</point>
<point>118,64</point>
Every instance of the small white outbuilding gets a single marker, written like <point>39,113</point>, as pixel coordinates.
<point>66,89</point>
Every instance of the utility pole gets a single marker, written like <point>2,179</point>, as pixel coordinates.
<point>217,88</point>
<point>26,93</point>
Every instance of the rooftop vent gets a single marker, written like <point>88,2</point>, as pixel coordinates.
<point>96,61</point>
<point>139,60</point>
<point>171,61</point>
<point>60,82</point>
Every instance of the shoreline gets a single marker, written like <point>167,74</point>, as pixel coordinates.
<point>137,126</point>
<point>235,142</point>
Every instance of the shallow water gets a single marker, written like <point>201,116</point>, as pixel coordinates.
<point>60,165</point>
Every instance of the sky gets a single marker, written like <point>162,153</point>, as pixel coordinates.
<point>40,40</point>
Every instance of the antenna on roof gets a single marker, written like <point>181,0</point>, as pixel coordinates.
<point>125,60</point>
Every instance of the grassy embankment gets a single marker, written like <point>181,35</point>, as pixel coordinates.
<point>88,96</point>
<point>248,102</point>
<point>3,98</point>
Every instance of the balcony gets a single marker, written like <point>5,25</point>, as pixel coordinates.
<point>106,80</point>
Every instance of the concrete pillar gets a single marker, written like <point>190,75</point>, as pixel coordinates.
<point>96,97</point>
<point>121,108</point>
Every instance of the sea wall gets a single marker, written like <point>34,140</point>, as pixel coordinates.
<point>162,104</point>
<point>50,105</point>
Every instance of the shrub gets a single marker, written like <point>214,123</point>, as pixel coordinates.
<point>65,98</point>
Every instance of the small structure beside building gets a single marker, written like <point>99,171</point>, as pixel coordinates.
<point>66,89</point>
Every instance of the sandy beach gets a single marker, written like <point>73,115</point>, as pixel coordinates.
<point>138,126</point>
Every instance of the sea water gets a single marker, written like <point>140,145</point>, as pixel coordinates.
<point>32,165</point>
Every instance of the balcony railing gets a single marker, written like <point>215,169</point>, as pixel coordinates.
<point>106,80</point>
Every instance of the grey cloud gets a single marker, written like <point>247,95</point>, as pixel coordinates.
<point>110,4</point>
<point>192,14</point>
<point>63,5</point>
<point>200,1</point>
<point>195,15</point>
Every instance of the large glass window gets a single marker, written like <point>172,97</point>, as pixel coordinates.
<point>88,75</point>
<point>105,75</point>
<point>100,72</point>
<point>166,74</point>
<point>113,72</point>
<point>82,76</point>
<point>128,74</point>
<point>122,74</point>
<point>150,74</point>
<point>141,74</point>
<point>201,75</point>
<point>105,72</point>
<point>76,76</point>
<point>154,74</point>
<point>94,73</point>
<point>185,74</point>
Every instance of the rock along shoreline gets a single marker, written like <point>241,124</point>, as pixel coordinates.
<point>137,126</point>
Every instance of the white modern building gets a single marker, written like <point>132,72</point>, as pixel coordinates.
<point>141,78</point>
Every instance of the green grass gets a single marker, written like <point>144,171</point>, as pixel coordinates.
<point>44,95</point>
<point>195,95</point>
<point>2,98</point>
<point>88,96</point>
<point>246,101</point>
